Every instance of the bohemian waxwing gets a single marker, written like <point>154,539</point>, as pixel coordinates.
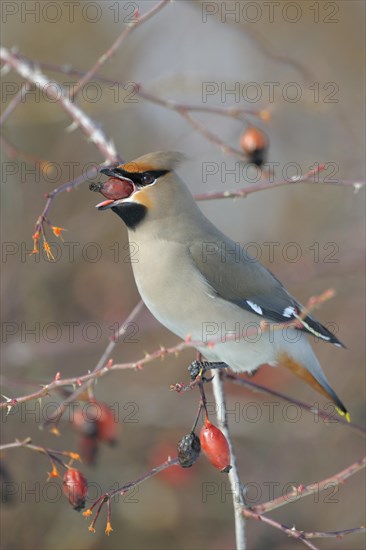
<point>192,281</point>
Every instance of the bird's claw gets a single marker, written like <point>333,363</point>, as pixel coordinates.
<point>197,369</point>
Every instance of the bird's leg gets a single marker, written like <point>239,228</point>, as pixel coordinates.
<point>198,369</point>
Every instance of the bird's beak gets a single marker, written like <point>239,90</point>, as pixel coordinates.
<point>104,204</point>
<point>115,189</point>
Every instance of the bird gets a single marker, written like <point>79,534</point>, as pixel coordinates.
<point>194,282</point>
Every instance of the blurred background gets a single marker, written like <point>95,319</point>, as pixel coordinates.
<point>319,48</point>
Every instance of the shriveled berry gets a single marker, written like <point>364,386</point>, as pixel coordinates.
<point>75,488</point>
<point>189,448</point>
<point>215,447</point>
<point>95,186</point>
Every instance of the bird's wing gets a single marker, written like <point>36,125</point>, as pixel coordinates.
<point>234,276</point>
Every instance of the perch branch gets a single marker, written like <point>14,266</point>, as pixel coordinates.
<point>234,478</point>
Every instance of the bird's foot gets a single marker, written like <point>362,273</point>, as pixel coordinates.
<point>197,370</point>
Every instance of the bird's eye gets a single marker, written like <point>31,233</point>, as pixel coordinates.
<point>147,179</point>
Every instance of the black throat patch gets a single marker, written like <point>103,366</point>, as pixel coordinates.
<point>132,213</point>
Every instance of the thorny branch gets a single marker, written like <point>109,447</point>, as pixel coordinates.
<point>302,536</point>
<point>122,490</point>
<point>88,385</point>
<point>237,113</point>
<point>256,512</point>
<point>249,513</point>
<point>104,366</point>
<point>305,490</point>
<point>55,456</point>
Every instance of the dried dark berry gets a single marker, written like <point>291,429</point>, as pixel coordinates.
<point>189,448</point>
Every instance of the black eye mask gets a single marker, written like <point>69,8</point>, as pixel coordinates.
<point>139,178</point>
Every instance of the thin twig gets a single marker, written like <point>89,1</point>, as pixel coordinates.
<point>333,534</point>
<point>56,416</point>
<point>68,186</point>
<point>117,43</point>
<point>303,536</point>
<point>16,444</point>
<point>263,186</point>
<point>123,489</point>
<point>171,104</point>
<point>102,369</point>
<point>161,353</point>
<point>156,470</point>
<point>52,454</point>
<point>304,491</point>
<point>328,417</point>
<point>210,136</point>
<point>290,531</point>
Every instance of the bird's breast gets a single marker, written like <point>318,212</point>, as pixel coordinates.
<point>171,288</point>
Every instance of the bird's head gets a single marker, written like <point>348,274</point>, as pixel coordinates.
<point>139,187</point>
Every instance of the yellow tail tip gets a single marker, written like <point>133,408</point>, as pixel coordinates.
<point>346,414</point>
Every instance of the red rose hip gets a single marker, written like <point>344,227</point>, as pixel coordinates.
<point>215,447</point>
<point>75,488</point>
<point>107,425</point>
<point>114,188</point>
<point>254,143</point>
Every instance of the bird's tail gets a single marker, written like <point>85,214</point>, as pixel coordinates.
<point>307,367</point>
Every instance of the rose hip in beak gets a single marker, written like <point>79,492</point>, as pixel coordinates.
<point>113,189</point>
